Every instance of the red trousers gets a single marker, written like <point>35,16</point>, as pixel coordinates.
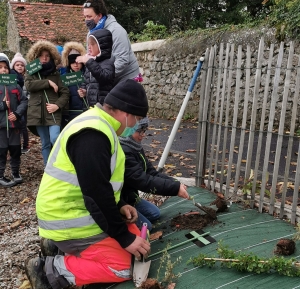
<point>102,262</point>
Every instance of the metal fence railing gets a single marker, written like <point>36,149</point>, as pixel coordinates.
<point>247,144</point>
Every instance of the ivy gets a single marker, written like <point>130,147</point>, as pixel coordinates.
<point>248,262</point>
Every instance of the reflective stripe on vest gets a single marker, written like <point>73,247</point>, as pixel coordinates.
<point>66,224</point>
<point>71,178</point>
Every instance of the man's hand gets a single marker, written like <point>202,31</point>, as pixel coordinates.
<point>129,213</point>
<point>139,247</point>
<point>182,193</point>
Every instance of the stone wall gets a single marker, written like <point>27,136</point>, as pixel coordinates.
<point>13,39</point>
<point>166,79</point>
<point>168,67</point>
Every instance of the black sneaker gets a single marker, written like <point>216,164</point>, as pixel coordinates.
<point>4,182</point>
<point>17,178</point>
<point>48,248</point>
<point>25,150</point>
<point>34,269</point>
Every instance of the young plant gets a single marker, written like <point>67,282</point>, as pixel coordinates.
<point>168,266</point>
<point>248,185</point>
<point>248,262</point>
<point>297,234</point>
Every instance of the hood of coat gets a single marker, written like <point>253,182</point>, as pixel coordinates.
<point>67,49</point>
<point>3,58</point>
<point>109,20</point>
<point>104,39</point>
<point>39,46</point>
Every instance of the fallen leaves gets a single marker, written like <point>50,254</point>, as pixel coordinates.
<point>25,285</point>
<point>155,235</point>
<point>190,151</point>
<point>16,224</point>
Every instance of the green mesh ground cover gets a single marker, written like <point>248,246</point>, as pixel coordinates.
<point>244,230</point>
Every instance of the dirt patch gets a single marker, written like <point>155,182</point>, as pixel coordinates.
<point>285,247</point>
<point>151,284</point>
<point>192,220</point>
<point>220,203</point>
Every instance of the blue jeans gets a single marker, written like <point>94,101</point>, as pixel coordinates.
<point>147,213</point>
<point>48,135</point>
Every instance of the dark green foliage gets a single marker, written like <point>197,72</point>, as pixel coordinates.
<point>285,16</point>
<point>3,24</point>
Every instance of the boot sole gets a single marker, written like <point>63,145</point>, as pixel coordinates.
<point>8,186</point>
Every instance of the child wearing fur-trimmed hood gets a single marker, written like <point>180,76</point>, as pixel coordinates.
<point>71,51</point>
<point>48,95</point>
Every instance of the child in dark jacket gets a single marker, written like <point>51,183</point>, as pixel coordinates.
<point>48,95</point>
<point>141,175</point>
<point>71,51</point>
<point>17,66</point>
<point>13,104</point>
<point>100,69</point>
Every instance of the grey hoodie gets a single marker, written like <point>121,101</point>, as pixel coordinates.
<point>126,65</point>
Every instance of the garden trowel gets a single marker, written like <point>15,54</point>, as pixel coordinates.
<point>141,268</point>
<point>199,206</point>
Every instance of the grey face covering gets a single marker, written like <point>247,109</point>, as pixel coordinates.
<point>90,24</point>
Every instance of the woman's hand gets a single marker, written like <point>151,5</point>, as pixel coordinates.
<point>51,107</point>
<point>53,85</point>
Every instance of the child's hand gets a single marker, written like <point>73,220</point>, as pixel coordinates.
<point>83,59</point>
<point>51,107</point>
<point>7,103</point>
<point>12,117</point>
<point>182,193</point>
<point>81,92</point>
<point>53,85</point>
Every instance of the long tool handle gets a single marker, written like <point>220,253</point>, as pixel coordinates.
<point>177,245</point>
<point>143,235</point>
<point>47,99</point>
<point>144,231</point>
<point>179,117</point>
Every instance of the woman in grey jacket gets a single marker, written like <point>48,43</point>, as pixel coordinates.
<point>126,64</point>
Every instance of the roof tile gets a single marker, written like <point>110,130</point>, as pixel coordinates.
<point>54,22</point>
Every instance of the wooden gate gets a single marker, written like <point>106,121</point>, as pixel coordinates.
<point>248,145</point>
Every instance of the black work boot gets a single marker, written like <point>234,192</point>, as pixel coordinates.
<point>34,269</point>
<point>48,248</point>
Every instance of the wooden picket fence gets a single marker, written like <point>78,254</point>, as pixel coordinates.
<point>238,150</point>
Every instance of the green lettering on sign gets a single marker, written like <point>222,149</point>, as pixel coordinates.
<point>34,66</point>
<point>8,79</point>
<point>72,78</point>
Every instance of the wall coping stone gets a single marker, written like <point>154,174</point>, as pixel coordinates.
<point>148,45</point>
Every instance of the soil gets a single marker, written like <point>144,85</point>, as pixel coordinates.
<point>285,247</point>
<point>151,284</point>
<point>220,203</point>
<point>193,220</point>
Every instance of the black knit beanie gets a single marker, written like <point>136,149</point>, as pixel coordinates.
<point>128,96</point>
<point>72,58</point>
